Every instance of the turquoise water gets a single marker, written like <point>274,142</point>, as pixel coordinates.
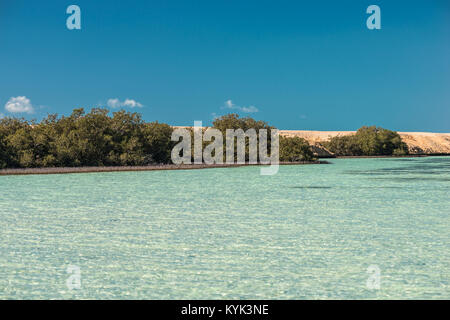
<point>308,232</point>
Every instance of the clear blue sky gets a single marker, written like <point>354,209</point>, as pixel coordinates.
<point>301,64</point>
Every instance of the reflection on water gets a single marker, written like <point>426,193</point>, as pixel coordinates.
<point>414,169</point>
<point>409,179</point>
<point>308,232</point>
<point>310,187</point>
<point>359,187</point>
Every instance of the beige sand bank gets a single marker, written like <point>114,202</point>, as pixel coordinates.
<point>418,142</point>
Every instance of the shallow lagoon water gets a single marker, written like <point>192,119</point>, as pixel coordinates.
<point>309,232</point>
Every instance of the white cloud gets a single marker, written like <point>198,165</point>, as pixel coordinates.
<point>132,103</point>
<point>250,109</point>
<point>19,105</point>
<point>116,103</point>
<point>113,103</point>
<point>230,105</point>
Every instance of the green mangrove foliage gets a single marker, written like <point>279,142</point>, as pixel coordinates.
<point>99,139</point>
<point>92,139</point>
<point>368,141</point>
<point>295,149</point>
<point>232,121</point>
<point>291,149</point>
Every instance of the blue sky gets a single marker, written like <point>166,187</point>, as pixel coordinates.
<point>296,64</point>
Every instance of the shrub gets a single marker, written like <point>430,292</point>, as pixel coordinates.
<point>294,149</point>
<point>368,141</point>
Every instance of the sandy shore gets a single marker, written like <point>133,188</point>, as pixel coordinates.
<point>426,143</point>
<point>62,170</point>
<point>418,142</point>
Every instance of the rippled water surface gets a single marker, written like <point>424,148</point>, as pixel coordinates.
<point>308,232</point>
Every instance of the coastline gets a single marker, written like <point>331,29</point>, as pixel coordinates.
<point>164,167</point>
<point>402,156</point>
<point>419,143</point>
<point>64,170</point>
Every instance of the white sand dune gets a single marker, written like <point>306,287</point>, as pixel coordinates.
<point>418,142</point>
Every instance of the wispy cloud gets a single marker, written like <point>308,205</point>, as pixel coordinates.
<point>19,104</point>
<point>250,109</point>
<point>130,103</point>
<point>230,105</point>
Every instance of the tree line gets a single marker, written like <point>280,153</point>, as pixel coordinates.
<point>84,139</point>
<point>368,141</point>
<point>98,138</point>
